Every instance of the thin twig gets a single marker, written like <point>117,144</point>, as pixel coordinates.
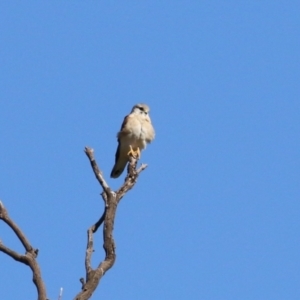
<point>90,154</point>
<point>60,294</point>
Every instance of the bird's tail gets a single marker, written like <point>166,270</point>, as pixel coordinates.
<point>118,167</point>
<point>121,161</point>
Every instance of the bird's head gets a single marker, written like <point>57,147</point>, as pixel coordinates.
<point>141,109</point>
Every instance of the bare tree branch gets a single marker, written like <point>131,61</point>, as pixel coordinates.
<point>131,178</point>
<point>15,228</point>
<point>30,256</point>
<point>90,154</point>
<point>16,256</point>
<point>93,276</point>
<point>111,200</point>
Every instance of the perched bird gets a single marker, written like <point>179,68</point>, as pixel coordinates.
<point>136,132</point>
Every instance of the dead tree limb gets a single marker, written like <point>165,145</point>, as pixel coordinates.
<point>111,200</point>
<point>30,256</point>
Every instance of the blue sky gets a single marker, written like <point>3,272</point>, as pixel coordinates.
<point>216,214</point>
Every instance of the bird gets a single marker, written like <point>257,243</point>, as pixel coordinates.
<point>136,132</point>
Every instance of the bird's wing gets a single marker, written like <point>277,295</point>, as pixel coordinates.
<point>121,158</point>
<point>148,128</point>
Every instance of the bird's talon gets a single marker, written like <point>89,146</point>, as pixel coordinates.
<point>135,154</point>
<point>131,152</point>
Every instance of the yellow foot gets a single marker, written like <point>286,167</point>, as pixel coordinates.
<point>138,152</point>
<point>135,154</point>
<point>131,152</point>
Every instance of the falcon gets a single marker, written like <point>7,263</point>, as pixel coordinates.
<point>136,132</point>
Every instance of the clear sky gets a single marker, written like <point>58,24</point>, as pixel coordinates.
<point>216,214</point>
